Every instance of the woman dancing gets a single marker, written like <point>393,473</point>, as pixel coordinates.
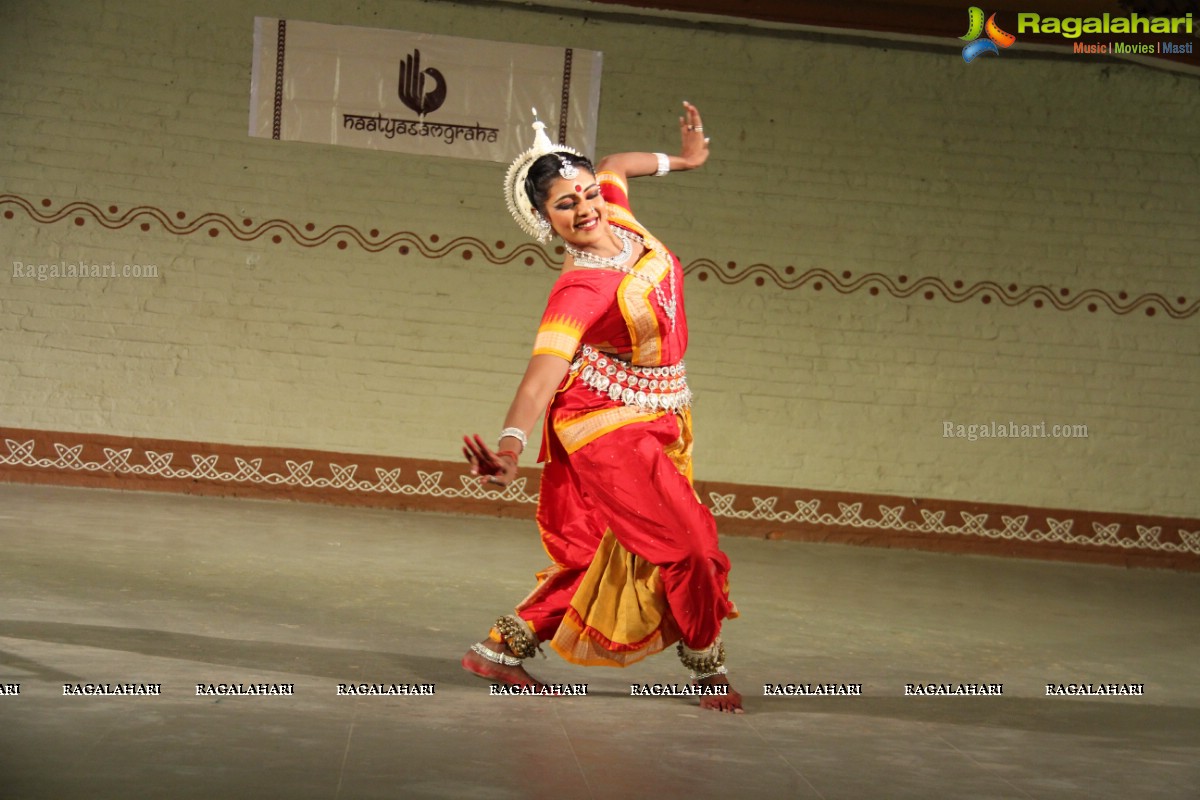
<point>636,564</point>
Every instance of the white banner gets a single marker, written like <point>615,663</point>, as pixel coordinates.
<point>416,92</point>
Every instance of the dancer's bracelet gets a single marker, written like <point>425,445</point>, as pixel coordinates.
<point>517,434</point>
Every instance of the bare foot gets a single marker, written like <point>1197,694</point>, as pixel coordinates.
<point>497,673</point>
<point>730,703</point>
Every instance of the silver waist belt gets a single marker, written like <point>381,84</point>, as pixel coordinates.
<point>649,388</point>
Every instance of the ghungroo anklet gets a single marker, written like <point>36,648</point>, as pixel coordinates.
<point>709,660</point>
<point>494,657</point>
<point>517,635</point>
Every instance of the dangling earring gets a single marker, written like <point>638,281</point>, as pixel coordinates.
<point>544,232</point>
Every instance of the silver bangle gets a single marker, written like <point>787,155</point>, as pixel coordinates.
<point>664,164</point>
<point>517,434</point>
<point>701,676</point>
<point>493,656</point>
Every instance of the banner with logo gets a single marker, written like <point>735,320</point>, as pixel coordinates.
<point>417,92</point>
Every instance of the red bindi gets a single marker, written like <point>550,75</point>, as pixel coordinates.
<point>578,188</point>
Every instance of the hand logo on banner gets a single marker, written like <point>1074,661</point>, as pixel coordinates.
<point>412,86</point>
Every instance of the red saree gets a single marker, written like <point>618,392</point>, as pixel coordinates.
<point>636,564</point>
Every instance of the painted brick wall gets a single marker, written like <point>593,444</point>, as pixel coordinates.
<point>904,164</point>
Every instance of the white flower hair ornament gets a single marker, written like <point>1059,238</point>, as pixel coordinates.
<point>519,204</point>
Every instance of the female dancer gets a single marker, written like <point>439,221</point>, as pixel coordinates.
<point>636,564</point>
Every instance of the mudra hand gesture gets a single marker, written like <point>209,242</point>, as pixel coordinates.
<point>694,147</point>
<point>491,467</point>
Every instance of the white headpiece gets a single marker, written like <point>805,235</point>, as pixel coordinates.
<point>517,198</point>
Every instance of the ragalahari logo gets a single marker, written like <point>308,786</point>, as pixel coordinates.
<point>996,38</point>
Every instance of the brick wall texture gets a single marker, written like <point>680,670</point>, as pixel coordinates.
<point>879,167</point>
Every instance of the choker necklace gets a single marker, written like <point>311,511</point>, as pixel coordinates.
<point>617,262</point>
<point>585,259</point>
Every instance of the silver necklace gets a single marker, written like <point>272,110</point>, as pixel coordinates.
<point>586,259</point>
<point>617,262</point>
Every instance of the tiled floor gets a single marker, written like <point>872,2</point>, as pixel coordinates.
<point>123,587</point>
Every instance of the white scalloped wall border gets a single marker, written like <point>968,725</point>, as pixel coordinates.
<point>344,478</point>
